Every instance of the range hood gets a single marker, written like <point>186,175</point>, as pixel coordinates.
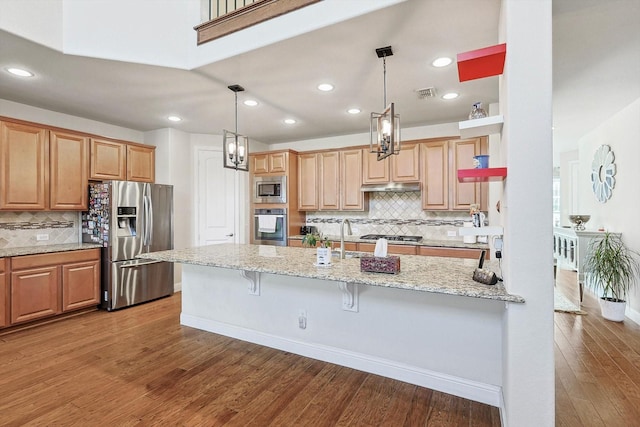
<point>391,186</point>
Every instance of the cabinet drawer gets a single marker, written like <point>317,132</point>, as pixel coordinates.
<point>56,258</point>
<point>391,249</point>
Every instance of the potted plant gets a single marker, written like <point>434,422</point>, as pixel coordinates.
<point>612,268</point>
<point>323,244</point>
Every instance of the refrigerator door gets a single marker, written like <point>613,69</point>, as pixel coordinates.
<point>127,220</point>
<point>136,281</point>
<point>158,202</point>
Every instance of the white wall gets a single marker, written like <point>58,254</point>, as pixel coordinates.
<point>620,214</point>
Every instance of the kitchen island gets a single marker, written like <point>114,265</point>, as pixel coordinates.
<point>429,325</point>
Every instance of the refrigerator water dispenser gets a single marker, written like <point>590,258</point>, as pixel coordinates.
<point>127,221</point>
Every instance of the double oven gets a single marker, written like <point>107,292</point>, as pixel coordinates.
<point>270,220</point>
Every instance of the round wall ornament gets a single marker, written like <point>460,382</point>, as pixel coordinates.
<point>603,170</point>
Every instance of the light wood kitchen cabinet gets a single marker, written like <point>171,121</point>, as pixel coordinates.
<point>329,182</point>
<point>264,163</point>
<point>351,198</point>
<point>108,160</point>
<point>435,172</point>
<point>45,285</point>
<point>452,252</point>
<point>24,167</point>
<point>141,163</point>
<point>307,182</point>
<point>391,249</point>
<point>348,246</point>
<point>440,161</point>
<point>403,167</point>
<point>69,171</point>
<point>5,320</point>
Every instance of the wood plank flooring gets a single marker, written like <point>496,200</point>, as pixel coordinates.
<point>597,365</point>
<point>139,367</point>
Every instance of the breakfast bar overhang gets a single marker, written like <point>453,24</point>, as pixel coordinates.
<point>430,325</point>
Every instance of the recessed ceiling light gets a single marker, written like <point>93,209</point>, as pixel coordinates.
<point>325,87</point>
<point>250,102</point>
<point>450,95</point>
<point>441,62</point>
<point>354,111</point>
<point>20,72</point>
<point>174,119</point>
<point>289,121</point>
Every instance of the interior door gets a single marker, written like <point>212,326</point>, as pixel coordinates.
<point>217,199</point>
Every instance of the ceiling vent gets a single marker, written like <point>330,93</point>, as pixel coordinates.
<point>427,92</point>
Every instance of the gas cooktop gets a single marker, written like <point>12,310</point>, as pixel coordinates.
<point>392,237</point>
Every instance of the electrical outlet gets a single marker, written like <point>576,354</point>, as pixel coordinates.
<point>41,237</point>
<point>452,233</point>
<point>302,319</point>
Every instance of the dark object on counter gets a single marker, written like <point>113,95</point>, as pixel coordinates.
<point>391,237</point>
<point>485,276</point>
<point>373,264</point>
<point>308,229</point>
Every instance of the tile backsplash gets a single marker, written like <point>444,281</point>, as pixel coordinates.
<point>19,229</point>
<point>393,213</point>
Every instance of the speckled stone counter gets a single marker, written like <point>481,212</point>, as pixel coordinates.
<point>423,242</point>
<point>450,276</point>
<point>45,249</point>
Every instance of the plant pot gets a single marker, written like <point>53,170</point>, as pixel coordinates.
<point>612,310</point>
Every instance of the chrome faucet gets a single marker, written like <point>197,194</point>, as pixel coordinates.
<point>344,221</point>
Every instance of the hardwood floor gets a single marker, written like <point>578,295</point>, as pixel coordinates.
<point>597,365</point>
<point>138,366</point>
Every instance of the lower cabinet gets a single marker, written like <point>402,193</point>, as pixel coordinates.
<point>45,285</point>
<point>391,249</point>
<point>452,252</point>
<point>4,294</point>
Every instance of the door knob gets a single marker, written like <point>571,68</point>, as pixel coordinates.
<point>230,235</point>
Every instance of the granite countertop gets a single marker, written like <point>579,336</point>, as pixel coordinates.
<point>419,273</point>
<point>46,249</point>
<point>423,242</point>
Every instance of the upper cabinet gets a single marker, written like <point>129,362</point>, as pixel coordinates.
<point>351,198</point>
<point>265,163</point>
<point>403,167</point>
<point>24,167</point>
<point>440,162</point>
<point>69,171</point>
<point>121,161</point>
<point>308,182</point>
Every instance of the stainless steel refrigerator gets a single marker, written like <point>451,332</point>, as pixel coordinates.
<point>127,219</point>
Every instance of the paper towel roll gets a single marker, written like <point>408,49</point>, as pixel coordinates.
<point>381,248</point>
<point>468,239</point>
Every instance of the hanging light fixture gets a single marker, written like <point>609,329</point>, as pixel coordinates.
<point>235,146</point>
<point>385,126</point>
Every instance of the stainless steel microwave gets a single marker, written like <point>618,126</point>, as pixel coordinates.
<point>270,189</point>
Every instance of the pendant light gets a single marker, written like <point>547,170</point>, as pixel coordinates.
<point>385,126</point>
<point>234,145</point>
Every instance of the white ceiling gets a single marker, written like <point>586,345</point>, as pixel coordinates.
<point>283,76</point>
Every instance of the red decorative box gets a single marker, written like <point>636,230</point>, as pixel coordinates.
<point>374,264</point>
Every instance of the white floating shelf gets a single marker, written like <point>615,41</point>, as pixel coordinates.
<point>481,127</point>
<point>481,231</point>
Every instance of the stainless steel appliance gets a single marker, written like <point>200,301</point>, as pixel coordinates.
<point>270,227</point>
<point>395,238</point>
<point>270,189</point>
<point>127,219</point>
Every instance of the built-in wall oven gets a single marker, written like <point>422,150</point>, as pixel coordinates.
<point>270,189</point>
<point>270,227</point>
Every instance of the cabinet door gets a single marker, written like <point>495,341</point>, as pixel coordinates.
<point>34,294</point>
<point>351,198</point>
<point>24,167</point>
<point>260,163</point>
<point>405,167</point>
<point>464,193</point>
<point>307,182</point>
<point>375,171</point>
<point>108,160</point>
<point>141,163</point>
<point>80,285</point>
<point>329,188</point>
<point>452,252</point>
<point>278,162</point>
<point>4,295</point>
<point>435,175</point>
<point>69,155</point>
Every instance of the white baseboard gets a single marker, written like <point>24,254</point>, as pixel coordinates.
<point>177,287</point>
<point>632,314</point>
<point>472,390</point>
